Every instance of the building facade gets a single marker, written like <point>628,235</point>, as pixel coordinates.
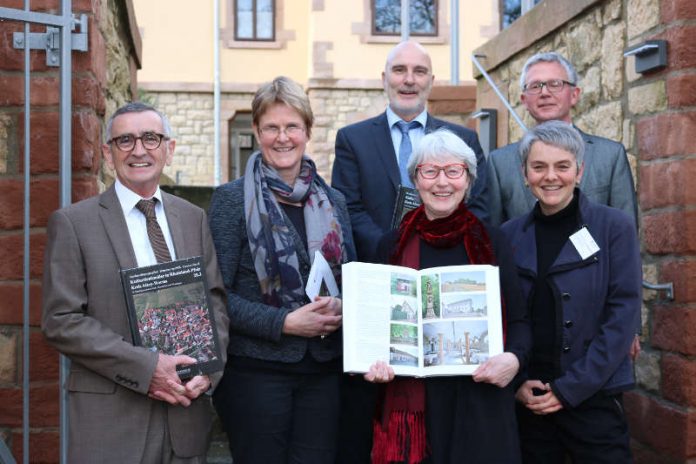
<point>335,50</point>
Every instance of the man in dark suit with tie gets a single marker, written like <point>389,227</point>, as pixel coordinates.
<point>371,155</point>
<point>370,164</point>
<point>126,403</point>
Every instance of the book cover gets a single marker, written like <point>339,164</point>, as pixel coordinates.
<point>169,310</point>
<point>406,200</point>
<point>437,321</point>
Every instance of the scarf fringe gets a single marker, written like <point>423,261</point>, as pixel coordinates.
<point>402,440</point>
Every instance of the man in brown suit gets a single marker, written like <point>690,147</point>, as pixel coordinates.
<point>126,403</point>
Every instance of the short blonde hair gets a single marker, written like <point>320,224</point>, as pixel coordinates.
<point>282,90</point>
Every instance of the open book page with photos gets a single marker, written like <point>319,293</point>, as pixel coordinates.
<point>437,321</point>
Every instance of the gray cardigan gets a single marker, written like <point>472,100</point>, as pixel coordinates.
<point>256,328</point>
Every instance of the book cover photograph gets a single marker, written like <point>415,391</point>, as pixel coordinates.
<point>169,312</point>
<point>438,321</point>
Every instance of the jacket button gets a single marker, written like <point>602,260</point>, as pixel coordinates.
<point>566,349</point>
<point>568,324</point>
<point>565,295</point>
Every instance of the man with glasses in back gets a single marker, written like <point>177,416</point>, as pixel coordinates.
<point>549,91</point>
<point>127,403</point>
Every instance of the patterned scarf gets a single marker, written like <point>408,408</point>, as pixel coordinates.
<point>270,239</point>
<point>399,429</point>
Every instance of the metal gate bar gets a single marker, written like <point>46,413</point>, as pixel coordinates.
<point>64,21</point>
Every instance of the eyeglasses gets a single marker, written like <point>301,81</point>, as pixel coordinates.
<point>552,85</point>
<point>150,140</point>
<point>431,171</point>
<point>291,130</point>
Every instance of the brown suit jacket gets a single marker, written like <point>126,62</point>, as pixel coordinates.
<point>84,317</point>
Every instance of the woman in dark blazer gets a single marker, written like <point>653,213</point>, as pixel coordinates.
<point>580,270</point>
<point>455,419</point>
<point>279,396</point>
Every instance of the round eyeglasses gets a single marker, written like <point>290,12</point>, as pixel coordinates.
<point>150,141</point>
<point>431,171</point>
<point>552,85</point>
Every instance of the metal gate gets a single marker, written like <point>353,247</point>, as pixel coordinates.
<point>56,31</point>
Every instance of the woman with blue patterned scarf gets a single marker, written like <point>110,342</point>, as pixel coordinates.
<point>279,396</point>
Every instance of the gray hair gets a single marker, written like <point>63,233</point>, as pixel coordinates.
<point>556,133</point>
<point>549,57</point>
<point>440,144</point>
<point>138,107</point>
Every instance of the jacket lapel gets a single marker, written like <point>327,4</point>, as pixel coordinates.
<point>384,149</point>
<point>114,222</point>
<point>431,125</point>
<point>526,254</point>
<point>177,232</point>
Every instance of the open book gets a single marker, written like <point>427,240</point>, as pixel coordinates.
<point>169,311</point>
<point>437,321</point>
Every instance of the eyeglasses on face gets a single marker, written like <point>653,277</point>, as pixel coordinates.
<point>552,85</point>
<point>126,142</point>
<point>291,130</point>
<point>431,171</point>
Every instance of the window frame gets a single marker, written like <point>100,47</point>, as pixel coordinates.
<point>363,29</point>
<point>280,34</point>
<point>375,33</point>
<point>254,12</point>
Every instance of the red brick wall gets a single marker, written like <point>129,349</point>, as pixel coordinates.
<point>663,422</point>
<point>89,85</point>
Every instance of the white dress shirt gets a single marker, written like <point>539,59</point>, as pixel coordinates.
<point>137,226</point>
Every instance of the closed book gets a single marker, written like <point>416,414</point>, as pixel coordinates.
<point>169,311</point>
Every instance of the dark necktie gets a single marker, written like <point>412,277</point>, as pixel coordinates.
<point>154,232</point>
<point>405,150</point>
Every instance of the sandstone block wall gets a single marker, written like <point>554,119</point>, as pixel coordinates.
<point>191,116</point>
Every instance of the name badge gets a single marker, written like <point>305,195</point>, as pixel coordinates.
<point>584,243</point>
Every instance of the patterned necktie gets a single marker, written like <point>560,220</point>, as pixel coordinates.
<point>154,232</point>
<point>405,150</point>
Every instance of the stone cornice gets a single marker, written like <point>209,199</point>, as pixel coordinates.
<point>541,20</point>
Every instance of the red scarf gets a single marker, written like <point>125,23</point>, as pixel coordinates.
<point>399,430</point>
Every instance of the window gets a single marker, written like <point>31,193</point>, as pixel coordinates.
<point>386,17</point>
<point>254,20</point>
<point>513,9</point>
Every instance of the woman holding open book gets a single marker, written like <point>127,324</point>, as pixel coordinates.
<point>279,396</point>
<point>460,418</point>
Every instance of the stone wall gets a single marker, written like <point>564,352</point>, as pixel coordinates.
<point>654,115</point>
<point>101,79</point>
<point>191,116</point>
<point>334,109</point>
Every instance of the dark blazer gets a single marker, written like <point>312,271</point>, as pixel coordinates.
<point>85,318</point>
<point>366,172</point>
<point>256,328</point>
<point>597,298</point>
<point>607,180</point>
